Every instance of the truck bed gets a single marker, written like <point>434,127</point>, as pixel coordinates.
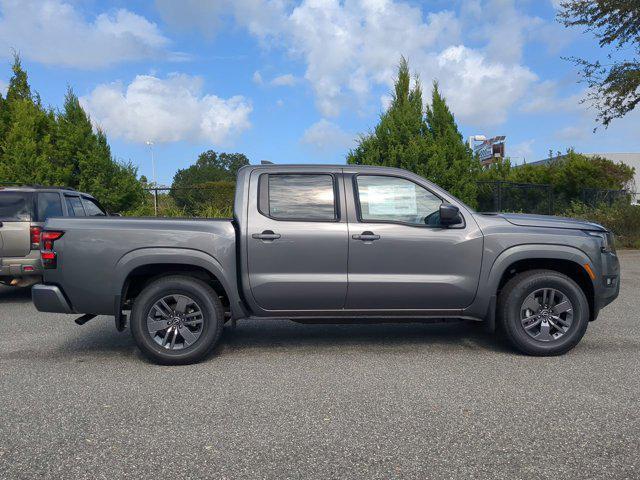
<point>106,250</point>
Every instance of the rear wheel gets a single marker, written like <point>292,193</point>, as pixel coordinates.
<point>177,320</point>
<point>543,312</point>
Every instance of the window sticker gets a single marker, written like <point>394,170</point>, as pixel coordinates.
<point>391,200</point>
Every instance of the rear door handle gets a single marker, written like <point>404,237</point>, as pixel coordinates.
<point>366,237</point>
<point>267,235</point>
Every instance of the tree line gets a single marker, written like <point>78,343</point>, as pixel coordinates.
<point>43,146</point>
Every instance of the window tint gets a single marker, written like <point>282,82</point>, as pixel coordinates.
<point>394,199</point>
<point>15,206</point>
<point>74,206</point>
<point>301,197</point>
<point>92,208</point>
<point>49,205</point>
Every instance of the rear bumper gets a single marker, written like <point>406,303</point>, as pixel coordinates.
<point>21,266</point>
<point>49,298</point>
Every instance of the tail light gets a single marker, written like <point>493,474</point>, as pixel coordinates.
<point>47,255</point>
<point>35,233</point>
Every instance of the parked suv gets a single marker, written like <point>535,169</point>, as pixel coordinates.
<point>23,211</point>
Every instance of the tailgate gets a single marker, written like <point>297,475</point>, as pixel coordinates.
<point>15,240</point>
<point>15,221</point>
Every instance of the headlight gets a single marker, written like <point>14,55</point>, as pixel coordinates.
<point>607,241</point>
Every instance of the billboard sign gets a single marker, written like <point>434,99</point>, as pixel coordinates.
<point>490,148</point>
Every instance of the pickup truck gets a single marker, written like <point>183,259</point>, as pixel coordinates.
<point>321,243</point>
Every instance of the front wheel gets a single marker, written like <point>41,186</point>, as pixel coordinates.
<point>543,312</point>
<point>177,320</point>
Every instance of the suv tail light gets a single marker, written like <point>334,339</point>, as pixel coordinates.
<point>35,233</point>
<point>47,255</point>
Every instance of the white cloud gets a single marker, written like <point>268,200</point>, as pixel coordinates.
<point>286,80</point>
<point>573,133</point>
<point>257,78</point>
<point>521,152</point>
<point>167,110</point>
<point>3,88</point>
<point>54,32</point>
<point>352,47</point>
<point>326,136</point>
<point>544,98</point>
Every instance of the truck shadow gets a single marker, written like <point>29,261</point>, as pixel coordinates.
<point>275,335</point>
<point>251,337</point>
<point>15,294</point>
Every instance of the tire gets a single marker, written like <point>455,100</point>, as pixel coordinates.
<point>202,315</point>
<point>543,332</point>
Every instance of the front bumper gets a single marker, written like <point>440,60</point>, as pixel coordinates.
<point>608,287</point>
<point>49,298</point>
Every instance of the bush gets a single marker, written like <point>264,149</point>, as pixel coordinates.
<point>623,219</point>
<point>218,195</point>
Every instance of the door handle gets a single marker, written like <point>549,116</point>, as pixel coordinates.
<point>267,235</point>
<point>366,237</point>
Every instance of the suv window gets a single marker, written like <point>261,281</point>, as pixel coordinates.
<point>93,208</point>
<point>15,206</point>
<point>49,205</point>
<point>74,206</point>
<point>300,197</point>
<point>393,199</point>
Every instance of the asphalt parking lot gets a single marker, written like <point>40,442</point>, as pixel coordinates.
<point>282,400</point>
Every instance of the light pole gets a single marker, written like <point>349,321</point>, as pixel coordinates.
<point>155,184</point>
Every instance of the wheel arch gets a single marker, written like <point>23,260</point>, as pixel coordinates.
<point>568,260</point>
<point>139,267</point>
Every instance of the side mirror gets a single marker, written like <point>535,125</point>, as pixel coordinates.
<point>449,215</point>
<point>115,214</point>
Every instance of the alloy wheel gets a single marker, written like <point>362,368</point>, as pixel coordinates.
<point>175,322</point>
<point>546,314</point>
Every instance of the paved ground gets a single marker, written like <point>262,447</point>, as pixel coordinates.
<point>283,400</point>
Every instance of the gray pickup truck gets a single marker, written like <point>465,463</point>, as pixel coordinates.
<point>315,243</point>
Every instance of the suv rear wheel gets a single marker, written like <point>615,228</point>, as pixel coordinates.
<point>177,320</point>
<point>543,312</point>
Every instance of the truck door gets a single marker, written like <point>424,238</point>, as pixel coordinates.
<point>297,240</point>
<point>399,257</point>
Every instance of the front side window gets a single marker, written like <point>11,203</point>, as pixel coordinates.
<point>392,199</point>
<point>74,207</point>
<point>300,197</point>
<point>49,205</point>
<point>92,208</point>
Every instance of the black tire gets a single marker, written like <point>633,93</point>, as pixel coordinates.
<point>212,319</point>
<point>510,305</point>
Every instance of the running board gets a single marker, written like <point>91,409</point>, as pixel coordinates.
<point>85,318</point>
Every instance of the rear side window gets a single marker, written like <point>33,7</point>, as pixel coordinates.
<point>74,206</point>
<point>298,197</point>
<point>15,206</point>
<point>92,207</point>
<point>49,205</point>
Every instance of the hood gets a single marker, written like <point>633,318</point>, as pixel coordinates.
<point>548,221</point>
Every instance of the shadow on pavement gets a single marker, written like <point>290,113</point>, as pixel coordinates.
<point>15,294</point>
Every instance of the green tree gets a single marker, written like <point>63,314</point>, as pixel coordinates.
<point>430,145</point>
<point>400,138</point>
<point>614,86</point>
<point>196,185</point>
<point>451,163</point>
<point>42,147</point>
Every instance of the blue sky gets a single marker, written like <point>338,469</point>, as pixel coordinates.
<point>297,81</point>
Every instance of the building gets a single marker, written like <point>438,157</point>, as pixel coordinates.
<point>628,158</point>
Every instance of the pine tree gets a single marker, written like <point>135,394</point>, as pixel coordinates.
<point>430,145</point>
<point>399,139</point>
<point>451,163</point>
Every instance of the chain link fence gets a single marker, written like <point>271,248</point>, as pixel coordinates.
<point>499,196</point>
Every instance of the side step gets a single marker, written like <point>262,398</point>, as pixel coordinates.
<point>85,318</point>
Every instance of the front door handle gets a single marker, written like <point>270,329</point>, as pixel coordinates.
<point>267,235</point>
<point>366,237</point>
